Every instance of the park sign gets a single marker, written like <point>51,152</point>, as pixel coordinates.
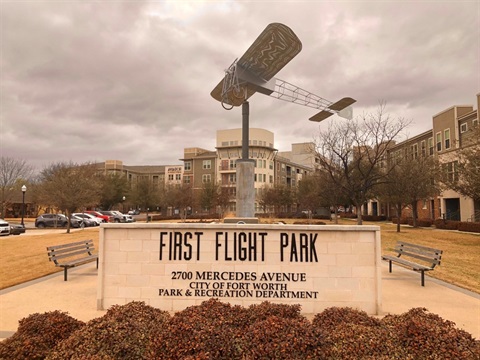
<point>173,266</point>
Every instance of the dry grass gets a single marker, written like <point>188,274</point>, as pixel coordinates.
<point>461,252</point>
<point>25,257</point>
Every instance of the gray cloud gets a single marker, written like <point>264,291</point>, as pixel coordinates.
<point>90,81</point>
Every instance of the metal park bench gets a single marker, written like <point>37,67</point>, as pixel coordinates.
<point>430,257</point>
<point>72,254</point>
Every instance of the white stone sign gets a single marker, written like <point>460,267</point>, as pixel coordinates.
<point>173,266</point>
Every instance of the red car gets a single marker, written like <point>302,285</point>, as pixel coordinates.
<point>105,218</point>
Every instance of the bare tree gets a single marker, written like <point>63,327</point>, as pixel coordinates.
<point>352,152</point>
<point>146,194</point>
<point>208,196</point>
<point>69,186</point>
<point>410,180</point>
<point>223,200</point>
<point>180,197</point>
<point>114,188</point>
<point>266,198</point>
<point>330,193</point>
<point>13,172</point>
<point>308,194</point>
<point>214,197</point>
<point>275,198</point>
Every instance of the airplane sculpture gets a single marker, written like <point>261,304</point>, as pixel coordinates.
<point>255,71</point>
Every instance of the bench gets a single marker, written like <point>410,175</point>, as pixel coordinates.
<point>72,254</point>
<point>430,257</point>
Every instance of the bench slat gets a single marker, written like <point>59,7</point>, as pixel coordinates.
<point>413,265</point>
<point>69,244</point>
<point>419,246</point>
<point>70,250</point>
<point>69,255</point>
<point>79,261</point>
<point>421,257</point>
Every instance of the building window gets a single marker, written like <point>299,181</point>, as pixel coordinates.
<point>423,148</point>
<point>187,179</point>
<point>206,178</point>
<point>188,165</point>
<point>233,164</point>
<point>430,146</point>
<point>452,173</point>
<point>475,122</point>
<point>232,178</point>
<point>178,176</point>
<point>447,139</point>
<point>463,128</point>
<point>414,151</point>
<point>207,164</point>
<point>439,141</point>
<point>170,177</point>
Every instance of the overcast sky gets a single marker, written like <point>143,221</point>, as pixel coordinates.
<point>131,80</point>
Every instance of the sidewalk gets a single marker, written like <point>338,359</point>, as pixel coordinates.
<point>401,292</point>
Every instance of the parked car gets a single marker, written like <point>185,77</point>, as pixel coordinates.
<point>56,220</point>
<point>126,217</point>
<point>4,228</point>
<point>134,212</point>
<point>117,216</point>
<point>17,229</point>
<point>96,220</point>
<point>106,218</point>
<point>86,221</point>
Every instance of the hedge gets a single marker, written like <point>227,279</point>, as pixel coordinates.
<point>217,330</point>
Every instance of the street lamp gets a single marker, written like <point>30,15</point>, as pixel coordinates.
<point>123,204</point>
<point>24,189</point>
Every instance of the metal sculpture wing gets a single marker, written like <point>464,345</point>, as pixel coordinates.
<point>269,53</point>
<point>254,72</point>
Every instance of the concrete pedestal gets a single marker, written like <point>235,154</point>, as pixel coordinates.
<point>245,188</point>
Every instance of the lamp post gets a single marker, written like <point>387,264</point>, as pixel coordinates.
<point>24,189</point>
<point>123,204</point>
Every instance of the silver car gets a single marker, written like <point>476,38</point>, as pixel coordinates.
<point>96,220</point>
<point>4,228</point>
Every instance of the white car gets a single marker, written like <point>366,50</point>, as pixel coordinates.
<point>4,228</point>
<point>126,217</point>
<point>90,217</point>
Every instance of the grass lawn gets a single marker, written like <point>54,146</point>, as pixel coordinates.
<point>24,257</point>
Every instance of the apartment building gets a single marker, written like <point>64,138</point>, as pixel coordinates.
<point>201,165</point>
<point>451,131</point>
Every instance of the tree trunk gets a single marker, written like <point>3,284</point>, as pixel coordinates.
<point>414,213</point>
<point>398,209</point>
<point>359,214</point>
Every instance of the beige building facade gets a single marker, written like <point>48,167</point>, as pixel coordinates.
<point>451,131</point>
